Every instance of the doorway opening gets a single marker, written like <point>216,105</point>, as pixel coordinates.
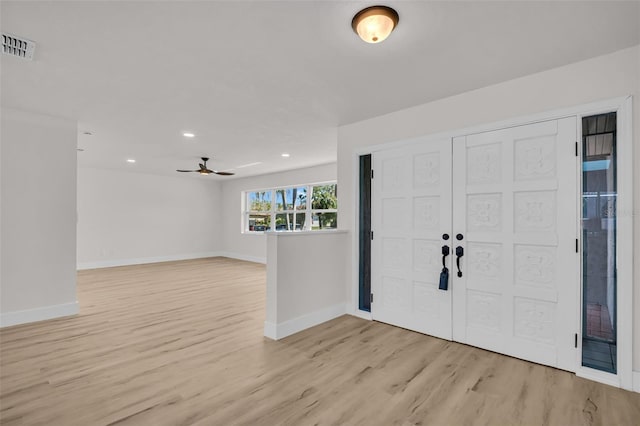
<point>599,275</point>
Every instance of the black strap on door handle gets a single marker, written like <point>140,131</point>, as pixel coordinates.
<point>459,254</point>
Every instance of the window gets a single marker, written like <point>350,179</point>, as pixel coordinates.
<point>599,234</point>
<point>324,207</point>
<point>291,208</point>
<point>259,206</point>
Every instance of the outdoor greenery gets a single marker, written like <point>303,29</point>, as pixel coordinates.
<point>260,201</point>
<point>325,197</point>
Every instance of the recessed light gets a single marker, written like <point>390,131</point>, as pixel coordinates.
<point>285,155</point>
<point>130,160</point>
<point>189,135</point>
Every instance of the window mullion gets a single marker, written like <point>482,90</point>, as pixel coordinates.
<point>245,212</point>
<point>309,216</point>
<point>274,202</point>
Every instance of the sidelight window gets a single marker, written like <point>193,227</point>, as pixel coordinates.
<point>599,223</point>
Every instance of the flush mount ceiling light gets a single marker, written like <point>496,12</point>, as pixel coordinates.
<point>130,160</point>
<point>375,23</point>
<point>189,135</point>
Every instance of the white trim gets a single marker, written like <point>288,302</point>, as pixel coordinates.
<point>354,304</point>
<point>295,325</point>
<point>8,319</point>
<point>580,259</point>
<point>636,381</point>
<point>144,260</point>
<point>296,233</point>
<point>598,376</point>
<point>624,240</point>
<point>240,256</point>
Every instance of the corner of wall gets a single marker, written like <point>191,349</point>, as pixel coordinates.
<point>287,328</point>
<point>270,330</point>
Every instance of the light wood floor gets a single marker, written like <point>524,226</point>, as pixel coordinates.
<point>180,343</point>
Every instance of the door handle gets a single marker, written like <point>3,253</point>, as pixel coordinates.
<point>445,253</point>
<point>444,274</point>
<point>459,254</point>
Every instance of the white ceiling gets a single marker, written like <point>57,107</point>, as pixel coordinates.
<point>254,79</point>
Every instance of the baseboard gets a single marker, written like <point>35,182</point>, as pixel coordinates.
<point>8,319</point>
<point>144,260</point>
<point>239,256</point>
<point>295,325</point>
<point>636,381</point>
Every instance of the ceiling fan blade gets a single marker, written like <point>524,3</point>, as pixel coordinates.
<point>224,173</point>
<point>187,171</point>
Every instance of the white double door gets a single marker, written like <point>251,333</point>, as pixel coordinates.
<point>507,200</point>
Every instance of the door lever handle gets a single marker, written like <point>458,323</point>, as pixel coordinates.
<point>445,253</point>
<point>444,274</point>
<point>459,254</point>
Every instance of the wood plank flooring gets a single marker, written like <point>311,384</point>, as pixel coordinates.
<point>180,343</point>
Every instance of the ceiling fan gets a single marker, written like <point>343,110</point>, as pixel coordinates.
<point>205,171</point>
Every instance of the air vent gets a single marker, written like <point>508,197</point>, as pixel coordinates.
<point>16,46</point>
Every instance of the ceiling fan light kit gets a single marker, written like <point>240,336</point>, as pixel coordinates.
<point>375,23</point>
<point>204,170</point>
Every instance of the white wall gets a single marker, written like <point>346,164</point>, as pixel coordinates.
<point>129,218</point>
<point>305,280</point>
<point>253,246</point>
<point>38,217</point>
<point>605,77</point>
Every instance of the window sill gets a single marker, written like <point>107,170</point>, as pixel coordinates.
<point>290,233</point>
